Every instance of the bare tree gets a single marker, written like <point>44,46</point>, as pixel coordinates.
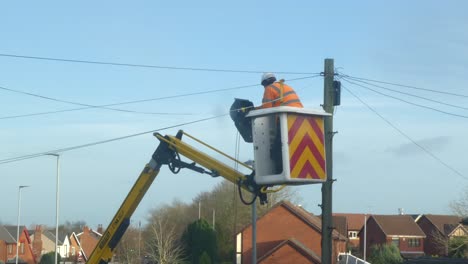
<point>460,206</point>
<point>440,242</point>
<point>289,193</point>
<point>455,246</point>
<point>220,206</point>
<point>128,249</point>
<point>163,246</point>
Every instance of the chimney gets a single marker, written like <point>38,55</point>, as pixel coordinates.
<point>37,243</point>
<point>99,229</point>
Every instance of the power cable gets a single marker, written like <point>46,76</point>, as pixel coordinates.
<point>29,156</point>
<point>407,86</point>
<point>405,101</point>
<point>405,135</point>
<point>86,106</point>
<point>147,100</point>
<point>145,65</point>
<point>409,94</point>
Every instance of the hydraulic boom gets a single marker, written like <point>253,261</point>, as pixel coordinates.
<point>167,153</point>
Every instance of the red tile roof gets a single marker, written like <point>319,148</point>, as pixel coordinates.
<point>355,221</point>
<point>340,224</point>
<point>398,225</point>
<point>312,220</point>
<point>444,223</point>
<point>309,218</point>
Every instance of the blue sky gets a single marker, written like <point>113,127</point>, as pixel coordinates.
<point>419,43</point>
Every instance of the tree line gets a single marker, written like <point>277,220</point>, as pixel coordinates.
<point>202,231</point>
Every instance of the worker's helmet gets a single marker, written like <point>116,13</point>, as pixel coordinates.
<point>268,78</point>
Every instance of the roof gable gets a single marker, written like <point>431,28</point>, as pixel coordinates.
<point>74,238</point>
<point>8,233</point>
<point>50,234</point>
<point>66,241</point>
<point>308,218</point>
<point>459,230</point>
<point>295,244</point>
<point>6,236</point>
<point>444,223</point>
<point>313,221</point>
<point>398,225</point>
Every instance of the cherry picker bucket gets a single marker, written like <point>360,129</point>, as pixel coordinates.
<point>289,145</point>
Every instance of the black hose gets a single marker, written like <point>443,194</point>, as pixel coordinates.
<point>242,197</point>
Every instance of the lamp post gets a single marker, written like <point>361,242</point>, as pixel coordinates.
<point>56,204</point>
<point>365,235</point>
<point>18,226</point>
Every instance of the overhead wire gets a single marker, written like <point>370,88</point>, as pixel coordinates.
<point>145,100</point>
<point>408,94</point>
<point>406,135</point>
<point>61,150</point>
<point>408,86</point>
<point>406,101</point>
<point>144,65</point>
<point>35,155</point>
<point>86,106</point>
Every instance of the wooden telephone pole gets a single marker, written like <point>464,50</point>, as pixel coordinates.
<point>328,106</point>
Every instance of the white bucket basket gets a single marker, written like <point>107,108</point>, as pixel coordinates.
<point>289,145</point>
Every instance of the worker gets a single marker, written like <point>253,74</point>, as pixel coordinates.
<point>278,93</point>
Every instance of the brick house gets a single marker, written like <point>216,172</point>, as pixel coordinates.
<point>400,230</point>
<point>89,239</point>
<point>64,249</point>
<point>355,222</point>
<point>439,229</point>
<point>8,245</point>
<point>82,244</point>
<point>76,252</point>
<point>285,233</point>
<point>43,241</point>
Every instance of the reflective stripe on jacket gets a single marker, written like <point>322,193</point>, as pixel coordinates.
<point>280,94</point>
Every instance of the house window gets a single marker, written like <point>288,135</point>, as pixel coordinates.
<point>352,234</point>
<point>73,251</point>
<point>22,248</point>
<point>10,248</point>
<point>239,248</point>
<point>414,242</point>
<point>396,242</point>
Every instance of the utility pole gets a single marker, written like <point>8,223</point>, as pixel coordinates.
<point>365,236</point>
<point>139,241</point>
<point>327,224</point>
<point>254,232</point>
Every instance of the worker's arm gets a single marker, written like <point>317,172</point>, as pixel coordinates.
<point>269,97</point>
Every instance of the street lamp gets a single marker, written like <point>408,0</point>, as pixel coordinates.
<point>56,204</point>
<point>18,226</point>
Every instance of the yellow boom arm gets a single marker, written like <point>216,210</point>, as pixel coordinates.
<point>167,153</point>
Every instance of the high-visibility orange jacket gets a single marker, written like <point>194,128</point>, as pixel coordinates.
<point>280,94</point>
